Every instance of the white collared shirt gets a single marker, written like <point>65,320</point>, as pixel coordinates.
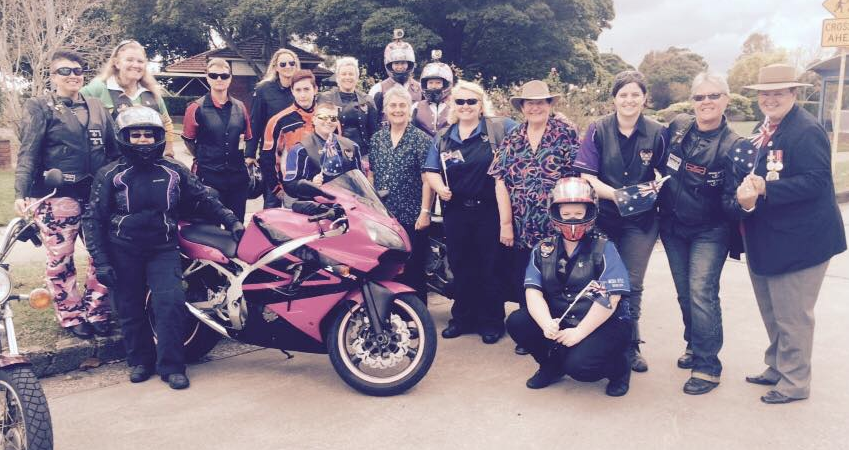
<point>112,85</point>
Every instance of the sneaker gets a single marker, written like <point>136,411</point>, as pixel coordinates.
<point>176,380</point>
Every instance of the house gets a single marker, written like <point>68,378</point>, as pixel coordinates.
<point>829,71</point>
<point>187,77</point>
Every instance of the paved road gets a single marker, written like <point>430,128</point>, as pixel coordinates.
<point>474,396</point>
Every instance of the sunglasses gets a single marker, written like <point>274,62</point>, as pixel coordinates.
<point>142,134</point>
<point>215,76</point>
<point>327,117</point>
<point>287,63</point>
<point>466,101</point>
<point>65,71</point>
<point>701,97</point>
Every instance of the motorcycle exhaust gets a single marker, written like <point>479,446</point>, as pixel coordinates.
<point>209,321</point>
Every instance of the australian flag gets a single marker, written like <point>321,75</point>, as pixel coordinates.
<point>638,198</point>
<point>331,159</point>
<point>744,156</point>
<point>450,158</point>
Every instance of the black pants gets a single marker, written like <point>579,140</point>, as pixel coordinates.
<point>602,354</point>
<point>414,270</point>
<point>471,238</point>
<point>513,264</point>
<point>232,187</point>
<point>137,269</point>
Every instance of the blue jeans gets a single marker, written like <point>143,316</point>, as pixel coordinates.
<point>696,257</point>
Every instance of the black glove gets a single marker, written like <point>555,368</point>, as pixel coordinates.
<point>237,230</point>
<point>106,275</point>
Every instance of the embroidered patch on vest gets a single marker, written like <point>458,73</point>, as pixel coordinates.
<point>546,249</point>
<point>646,155</point>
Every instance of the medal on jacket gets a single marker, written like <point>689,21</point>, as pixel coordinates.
<point>774,164</point>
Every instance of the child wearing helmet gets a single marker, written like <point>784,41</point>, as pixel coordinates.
<point>575,323</point>
<point>131,234</point>
<point>431,113</point>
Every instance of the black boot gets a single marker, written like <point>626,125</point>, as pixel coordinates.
<point>638,363</point>
<point>620,376</point>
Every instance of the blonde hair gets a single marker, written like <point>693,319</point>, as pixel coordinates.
<point>221,63</point>
<point>486,105</point>
<point>271,70</point>
<point>346,61</point>
<point>109,70</point>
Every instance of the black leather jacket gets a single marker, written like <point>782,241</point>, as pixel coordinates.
<point>140,206</point>
<point>53,138</point>
<point>698,164</point>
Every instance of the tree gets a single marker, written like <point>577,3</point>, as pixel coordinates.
<point>669,74</point>
<point>613,64</point>
<point>746,67</point>
<point>31,31</point>
<point>758,43</point>
<point>512,40</point>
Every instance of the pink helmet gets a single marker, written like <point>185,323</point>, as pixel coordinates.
<point>573,190</point>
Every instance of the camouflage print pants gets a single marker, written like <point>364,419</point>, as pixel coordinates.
<point>59,221</point>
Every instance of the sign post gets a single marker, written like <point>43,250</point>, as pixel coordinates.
<point>835,33</point>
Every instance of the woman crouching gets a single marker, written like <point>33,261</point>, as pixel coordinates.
<point>575,323</point>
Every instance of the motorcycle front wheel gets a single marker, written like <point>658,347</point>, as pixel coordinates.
<point>389,363</point>
<point>24,416</point>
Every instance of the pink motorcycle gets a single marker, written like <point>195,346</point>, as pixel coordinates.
<point>315,278</point>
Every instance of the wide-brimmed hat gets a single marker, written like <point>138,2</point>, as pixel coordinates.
<point>533,90</point>
<point>776,76</point>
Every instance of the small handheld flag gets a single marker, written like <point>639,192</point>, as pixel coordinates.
<point>638,198</point>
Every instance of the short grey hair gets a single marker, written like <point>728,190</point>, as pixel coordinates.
<point>399,91</point>
<point>347,61</point>
<point>712,78</point>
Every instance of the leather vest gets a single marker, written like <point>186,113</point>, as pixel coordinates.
<point>560,290</point>
<point>697,164</point>
<point>79,152</point>
<point>413,87</point>
<point>425,121</point>
<point>120,101</point>
<point>614,170</point>
<point>353,118</point>
<point>217,143</point>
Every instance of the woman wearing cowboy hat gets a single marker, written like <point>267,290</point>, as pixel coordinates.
<point>529,162</point>
<point>791,228</point>
<point>624,149</point>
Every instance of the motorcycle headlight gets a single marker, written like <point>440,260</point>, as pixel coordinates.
<point>5,285</point>
<point>385,236</point>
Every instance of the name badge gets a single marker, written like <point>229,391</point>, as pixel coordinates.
<point>674,162</point>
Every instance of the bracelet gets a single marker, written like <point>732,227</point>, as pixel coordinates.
<point>425,210</point>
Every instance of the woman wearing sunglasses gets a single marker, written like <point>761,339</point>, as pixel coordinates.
<point>212,129</point>
<point>693,227</point>
<point>126,81</point>
<point>456,168</point>
<point>322,155</point>
<point>624,149</point>
<point>72,132</point>
<point>272,95</point>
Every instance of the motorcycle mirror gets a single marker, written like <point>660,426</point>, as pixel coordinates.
<point>308,189</point>
<point>53,178</point>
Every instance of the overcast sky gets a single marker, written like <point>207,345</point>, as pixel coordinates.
<point>714,29</point>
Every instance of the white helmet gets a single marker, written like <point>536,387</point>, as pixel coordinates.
<point>396,51</point>
<point>437,71</point>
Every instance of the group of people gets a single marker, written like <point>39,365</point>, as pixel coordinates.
<point>532,213</point>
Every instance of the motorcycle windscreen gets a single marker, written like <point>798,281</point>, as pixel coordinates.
<point>355,182</point>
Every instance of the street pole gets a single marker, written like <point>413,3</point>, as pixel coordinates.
<point>838,105</point>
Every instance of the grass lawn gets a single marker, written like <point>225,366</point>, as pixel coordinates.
<point>7,195</point>
<point>37,327</point>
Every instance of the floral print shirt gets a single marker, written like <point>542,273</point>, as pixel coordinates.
<point>531,174</point>
<point>398,170</point>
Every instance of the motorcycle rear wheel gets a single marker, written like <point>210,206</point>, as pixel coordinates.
<point>383,370</point>
<point>24,415</point>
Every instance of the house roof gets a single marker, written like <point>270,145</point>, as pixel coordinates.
<point>254,48</point>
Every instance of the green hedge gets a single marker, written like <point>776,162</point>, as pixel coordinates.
<point>177,105</point>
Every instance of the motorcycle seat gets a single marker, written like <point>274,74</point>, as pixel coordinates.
<point>212,236</point>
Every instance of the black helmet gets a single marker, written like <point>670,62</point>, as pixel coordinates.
<point>140,117</point>
<point>255,185</point>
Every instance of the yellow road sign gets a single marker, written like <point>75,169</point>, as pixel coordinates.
<point>835,32</point>
<point>839,8</point>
